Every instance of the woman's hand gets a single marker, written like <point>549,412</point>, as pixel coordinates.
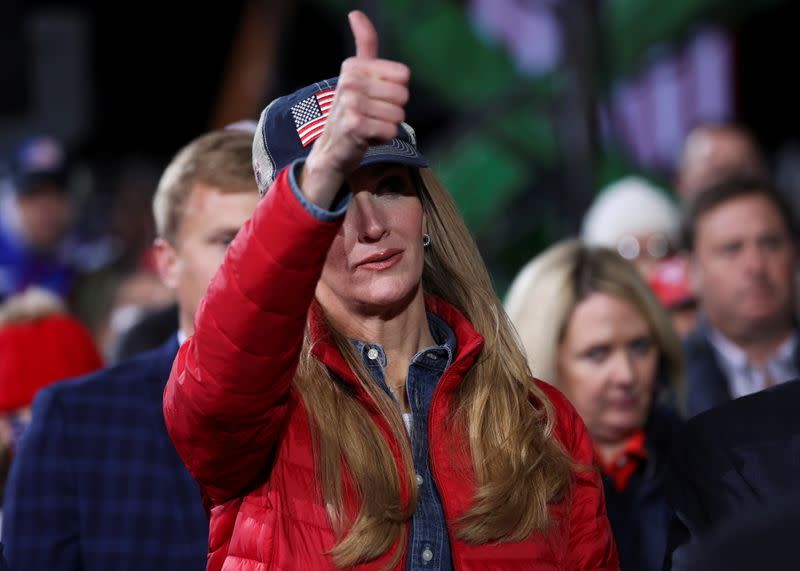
<point>369,104</point>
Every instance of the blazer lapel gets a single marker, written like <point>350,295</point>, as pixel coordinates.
<point>708,386</point>
<point>768,469</point>
<point>165,356</point>
<point>158,373</point>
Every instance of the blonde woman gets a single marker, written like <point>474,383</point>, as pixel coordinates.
<point>590,324</point>
<point>353,396</point>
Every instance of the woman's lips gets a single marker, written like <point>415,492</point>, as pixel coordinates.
<point>624,402</point>
<point>381,260</point>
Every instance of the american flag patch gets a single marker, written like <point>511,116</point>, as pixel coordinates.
<point>310,115</point>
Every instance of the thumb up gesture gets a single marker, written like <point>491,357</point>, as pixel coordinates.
<point>368,106</point>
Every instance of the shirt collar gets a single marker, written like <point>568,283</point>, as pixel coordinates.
<point>732,356</point>
<point>624,464</point>
<point>443,335</point>
<point>785,353</point>
<point>735,359</point>
<point>445,339</point>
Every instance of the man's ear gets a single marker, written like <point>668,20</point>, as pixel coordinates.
<point>167,262</point>
<point>695,274</point>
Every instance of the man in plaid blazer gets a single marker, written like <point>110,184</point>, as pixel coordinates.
<point>97,484</point>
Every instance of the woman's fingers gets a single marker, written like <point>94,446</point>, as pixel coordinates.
<point>364,34</point>
<point>371,92</point>
<point>371,95</point>
<point>382,69</point>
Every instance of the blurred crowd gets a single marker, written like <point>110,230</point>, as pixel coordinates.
<point>668,304</point>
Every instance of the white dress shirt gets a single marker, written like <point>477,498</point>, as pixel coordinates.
<point>745,377</point>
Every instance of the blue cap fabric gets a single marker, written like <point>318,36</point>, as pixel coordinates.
<point>290,124</point>
<point>38,160</point>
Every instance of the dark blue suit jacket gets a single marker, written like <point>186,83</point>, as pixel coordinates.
<point>706,384</point>
<point>97,484</point>
<point>730,460</point>
<point>3,564</point>
<point>640,514</point>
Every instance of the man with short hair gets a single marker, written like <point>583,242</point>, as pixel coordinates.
<point>97,483</point>
<point>743,255</point>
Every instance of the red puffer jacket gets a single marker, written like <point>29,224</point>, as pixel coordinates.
<point>243,432</point>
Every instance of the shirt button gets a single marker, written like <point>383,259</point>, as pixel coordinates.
<point>427,555</point>
<point>420,480</point>
<point>621,462</point>
<point>372,354</point>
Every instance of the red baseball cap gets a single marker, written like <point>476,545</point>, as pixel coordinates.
<point>671,284</point>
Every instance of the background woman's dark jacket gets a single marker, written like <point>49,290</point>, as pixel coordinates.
<point>640,514</point>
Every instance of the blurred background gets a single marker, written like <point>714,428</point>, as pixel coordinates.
<point>526,108</point>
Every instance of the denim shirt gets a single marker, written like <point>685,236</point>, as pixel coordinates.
<point>428,544</point>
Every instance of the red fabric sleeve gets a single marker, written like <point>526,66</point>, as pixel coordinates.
<point>229,391</point>
<point>590,540</point>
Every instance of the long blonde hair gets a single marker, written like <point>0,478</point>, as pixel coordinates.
<point>519,467</point>
<point>545,292</point>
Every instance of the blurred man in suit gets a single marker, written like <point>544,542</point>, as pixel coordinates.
<point>741,459</point>
<point>97,483</point>
<point>742,239</point>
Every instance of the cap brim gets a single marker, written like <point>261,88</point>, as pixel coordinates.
<point>30,182</point>
<point>395,151</point>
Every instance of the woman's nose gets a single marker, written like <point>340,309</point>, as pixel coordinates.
<point>369,218</point>
<point>624,372</point>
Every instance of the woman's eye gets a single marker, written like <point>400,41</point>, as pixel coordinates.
<point>596,354</point>
<point>641,346</point>
<point>772,242</point>
<point>391,185</point>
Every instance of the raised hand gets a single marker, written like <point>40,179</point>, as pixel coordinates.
<point>370,102</point>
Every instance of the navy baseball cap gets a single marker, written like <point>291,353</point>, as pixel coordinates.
<point>290,124</point>
<point>39,160</point>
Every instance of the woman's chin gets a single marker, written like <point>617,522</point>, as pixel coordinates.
<point>622,427</point>
<point>391,297</point>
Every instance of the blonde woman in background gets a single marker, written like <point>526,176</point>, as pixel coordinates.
<point>591,326</point>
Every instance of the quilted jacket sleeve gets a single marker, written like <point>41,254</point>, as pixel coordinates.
<point>590,540</point>
<point>229,391</point>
